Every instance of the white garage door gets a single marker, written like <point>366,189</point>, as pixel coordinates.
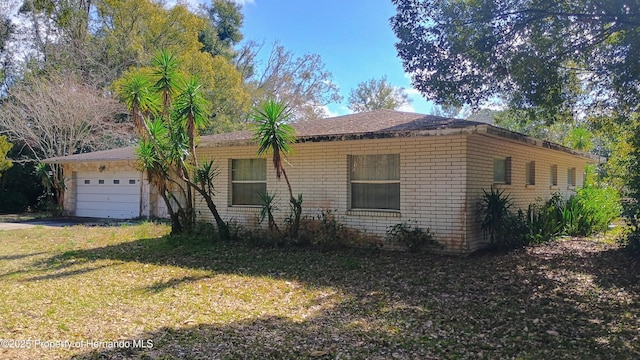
<point>108,194</point>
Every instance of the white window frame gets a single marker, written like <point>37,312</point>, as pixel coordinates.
<point>232,182</point>
<point>351,163</point>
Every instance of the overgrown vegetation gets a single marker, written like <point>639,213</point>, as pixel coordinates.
<point>168,109</point>
<point>412,237</point>
<point>590,211</point>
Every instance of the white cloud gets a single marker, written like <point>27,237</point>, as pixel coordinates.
<point>244,2</point>
<point>412,92</point>
<point>407,108</point>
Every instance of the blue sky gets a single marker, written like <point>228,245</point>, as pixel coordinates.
<point>353,37</point>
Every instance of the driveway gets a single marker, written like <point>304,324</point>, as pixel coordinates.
<point>58,223</point>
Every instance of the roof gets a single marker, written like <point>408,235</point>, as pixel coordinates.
<point>120,154</point>
<point>379,122</point>
<point>375,124</point>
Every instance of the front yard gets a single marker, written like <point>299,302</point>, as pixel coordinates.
<point>133,292</point>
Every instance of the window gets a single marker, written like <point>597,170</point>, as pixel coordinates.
<point>100,182</point>
<point>502,171</point>
<point>132,182</point>
<point>530,172</point>
<point>553,178</point>
<point>116,182</point>
<point>375,181</point>
<point>87,182</point>
<point>571,177</point>
<point>248,181</point>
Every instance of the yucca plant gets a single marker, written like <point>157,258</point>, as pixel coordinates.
<point>494,212</point>
<point>275,135</point>
<point>268,207</point>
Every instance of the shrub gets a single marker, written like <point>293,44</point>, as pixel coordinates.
<point>504,229</point>
<point>604,204</point>
<point>544,220</point>
<point>266,211</point>
<point>578,219</point>
<point>324,232</point>
<point>412,237</point>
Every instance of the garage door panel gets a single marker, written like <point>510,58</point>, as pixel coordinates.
<point>111,198</point>
<point>108,194</point>
<point>114,214</point>
<point>100,190</point>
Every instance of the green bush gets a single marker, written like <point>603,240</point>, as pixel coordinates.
<point>544,221</point>
<point>590,211</point>
<point>412,237</point>
<point>504,229</point>
<point>603,203</point>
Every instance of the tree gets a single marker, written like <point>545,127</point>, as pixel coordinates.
<point>225,18</point>
<point>5,146</point>
<point>58,116</point>
<point>274,135</point>
<point>377,94</point>
<point>302,82</point>
<point>543,53</point>
<point>169,109</point>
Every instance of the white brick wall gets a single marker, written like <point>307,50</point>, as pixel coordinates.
<point>432,185</point>
<point>483,149</point>
<point>441,182</point>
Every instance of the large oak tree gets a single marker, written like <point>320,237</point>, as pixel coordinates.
<point>537,53</point>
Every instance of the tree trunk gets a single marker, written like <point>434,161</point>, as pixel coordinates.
<point>297,207</point>
<point>223,229</point>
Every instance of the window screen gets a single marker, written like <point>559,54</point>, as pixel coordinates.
<point>248,181</point>
<point>375,181</point>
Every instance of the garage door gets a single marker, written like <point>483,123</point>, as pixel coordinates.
<point>108,195</point>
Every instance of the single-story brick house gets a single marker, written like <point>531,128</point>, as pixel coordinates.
<point>373,169</point>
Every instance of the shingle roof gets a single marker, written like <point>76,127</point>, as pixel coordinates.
<point>375,124</point>
<point>120,154</point>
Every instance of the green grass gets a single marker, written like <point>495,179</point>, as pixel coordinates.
<point>197,299</point>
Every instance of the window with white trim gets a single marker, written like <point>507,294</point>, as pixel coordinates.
<point>248,181</point>
<point>375,181</point>
<point>502,170</point>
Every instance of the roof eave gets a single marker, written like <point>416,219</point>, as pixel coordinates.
<point>518,137</point>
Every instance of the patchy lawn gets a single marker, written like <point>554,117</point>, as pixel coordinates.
<point>90,287</point>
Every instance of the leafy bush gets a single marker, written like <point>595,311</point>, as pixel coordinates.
<point>266,211</point>
<point>323,231</point>
<point>544,221</point>
<point>590,211</point>
<point>604,204</point>
<point>578,219</point>
<point>504,229</point>
<point>411,236</point>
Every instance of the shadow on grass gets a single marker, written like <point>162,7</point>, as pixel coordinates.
<point>21,256</point>
<point>560,300</point>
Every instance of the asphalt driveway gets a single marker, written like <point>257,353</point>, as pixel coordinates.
<point>58,223</point>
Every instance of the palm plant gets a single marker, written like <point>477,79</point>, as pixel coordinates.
<point>191,108</point>
<point>275,135</point>
<point>165,71</point>
<point>138,94</point>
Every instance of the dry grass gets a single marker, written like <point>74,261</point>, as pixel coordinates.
<point>195,299</point>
